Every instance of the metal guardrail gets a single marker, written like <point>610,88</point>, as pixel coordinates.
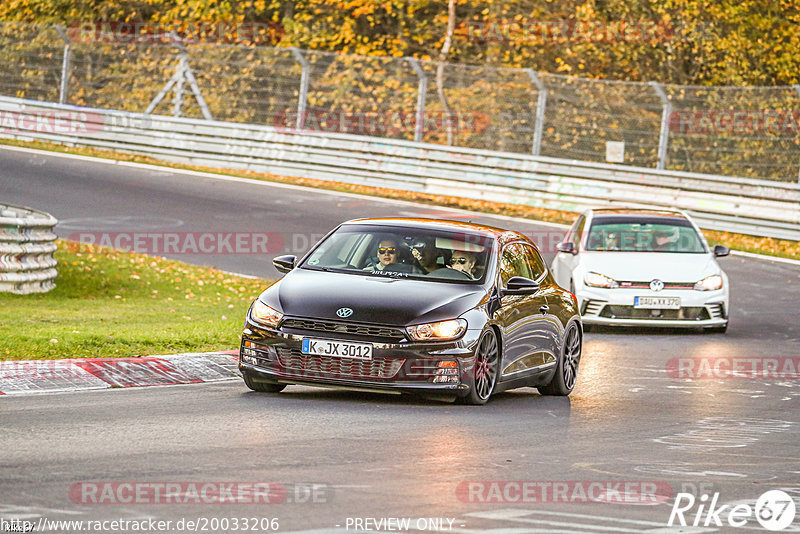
<point>756,207</point>
<point>184,71</point>
<point>27,244</point>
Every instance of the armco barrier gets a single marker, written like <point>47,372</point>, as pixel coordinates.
<point>757,207</point>
<point>27,243</point>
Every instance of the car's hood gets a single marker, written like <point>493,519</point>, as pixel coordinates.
<point>373,299</point>
<point>646,266</point>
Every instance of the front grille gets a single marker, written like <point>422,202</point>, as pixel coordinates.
<point>646,285</point>
<point>687,313</point>
<point>384,333</point>
<point>304,366</point>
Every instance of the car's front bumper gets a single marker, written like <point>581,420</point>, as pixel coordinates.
<point>276,356</point>
<point>615,307</point>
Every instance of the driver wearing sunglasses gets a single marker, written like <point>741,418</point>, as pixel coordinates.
<point>463,261</point>
<point>386,253</point>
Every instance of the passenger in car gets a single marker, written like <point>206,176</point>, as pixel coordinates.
<point>426,254</point>
<point>662,241</point>
<point>612,241</point>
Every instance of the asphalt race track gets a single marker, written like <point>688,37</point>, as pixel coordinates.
<point>345,462</point>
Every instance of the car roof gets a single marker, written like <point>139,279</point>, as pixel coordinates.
<point>501,234</point>
<point>634,214</point>
<point>637,212</point>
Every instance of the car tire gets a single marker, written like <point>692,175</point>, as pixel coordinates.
<point>486,369</point>
<point>563,381</point>
<point>262,386</point>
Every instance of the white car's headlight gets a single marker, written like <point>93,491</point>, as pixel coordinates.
<point>263,314</point>
<point>710,283</point>
<point>599,280</point>
<point>441,331</point>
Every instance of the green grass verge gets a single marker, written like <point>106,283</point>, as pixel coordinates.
<point>111,303</point>
<point>758,245</point>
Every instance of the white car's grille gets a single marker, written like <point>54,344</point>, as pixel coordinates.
<point>646,285</point>
<point>686,313</point>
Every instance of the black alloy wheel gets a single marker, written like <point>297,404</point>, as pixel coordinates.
<point>487,359</point>
<point>566,375</point>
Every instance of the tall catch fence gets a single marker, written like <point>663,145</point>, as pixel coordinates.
<point>732,131</point>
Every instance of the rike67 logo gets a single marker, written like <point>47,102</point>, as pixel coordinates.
<point>774,510</point>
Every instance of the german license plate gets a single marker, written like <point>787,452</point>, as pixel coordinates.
<point>337,349</point>
<point>657,303</point>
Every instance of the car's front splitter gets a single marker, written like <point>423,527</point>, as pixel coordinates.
<point>455,389</point>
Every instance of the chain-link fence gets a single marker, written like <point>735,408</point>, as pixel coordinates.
<point>734,131</point>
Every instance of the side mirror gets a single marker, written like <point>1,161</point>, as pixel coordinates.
<point>519,285</point>
<point>284,264</point>
<point>721,250</point>
<point>567,247</point>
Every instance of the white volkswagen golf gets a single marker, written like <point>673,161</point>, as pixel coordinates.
<point>644,267</point>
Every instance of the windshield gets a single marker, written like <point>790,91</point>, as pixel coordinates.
<point>643,235</point>
<point>403,253</point>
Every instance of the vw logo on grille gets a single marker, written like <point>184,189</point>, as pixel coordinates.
<point>344,312</point>
<point>656,285</point>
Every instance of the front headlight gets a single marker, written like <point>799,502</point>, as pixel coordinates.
<point>441,331</point>
<point>599,280</point>
<point>263,314</point>
<point>710,283</point>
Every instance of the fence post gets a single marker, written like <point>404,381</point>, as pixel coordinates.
<point>797,88</point>
<point>663,138</point>
<point>302,100</point>
<point>541,106</point>
<point>422,91</point>
<point>63,91</point>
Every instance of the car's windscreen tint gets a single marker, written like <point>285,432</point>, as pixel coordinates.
<point>403,253</point>
<point>643,236</point>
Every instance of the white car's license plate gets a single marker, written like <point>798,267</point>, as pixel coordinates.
<point>337,349</point>
<point>657,303</point>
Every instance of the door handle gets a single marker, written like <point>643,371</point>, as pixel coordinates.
<point>544,308</point>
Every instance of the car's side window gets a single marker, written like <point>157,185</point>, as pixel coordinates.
<point>514,262</point>
<point>535,262</point>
